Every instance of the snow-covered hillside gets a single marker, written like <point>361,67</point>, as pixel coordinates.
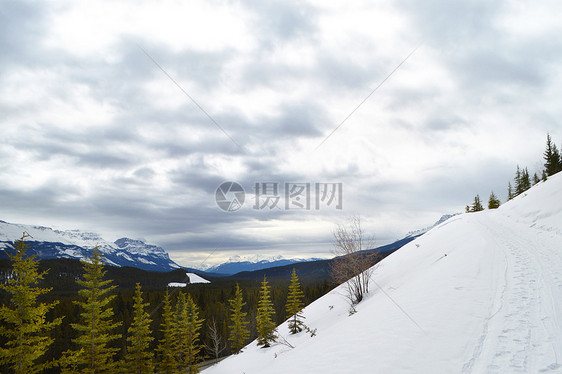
<point>47,243</point>
<point>480,293</point>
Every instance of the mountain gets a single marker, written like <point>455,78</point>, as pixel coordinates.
<point>47,243</point>
<point>311,271</point>
<point>238,264</point>
<point>479,293</point>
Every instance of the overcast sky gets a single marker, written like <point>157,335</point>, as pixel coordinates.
<point>100,129</point>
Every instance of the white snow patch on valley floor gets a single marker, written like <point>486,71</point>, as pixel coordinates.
<point>193,278</point>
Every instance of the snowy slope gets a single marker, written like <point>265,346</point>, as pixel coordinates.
<point>480,293</point>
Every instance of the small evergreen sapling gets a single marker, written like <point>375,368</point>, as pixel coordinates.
<point>294,305</point>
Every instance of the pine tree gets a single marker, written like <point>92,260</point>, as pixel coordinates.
<point>493,201</point>
<point>536,179</point>
<point>295,304</point>
<point>525,180</point>
<point>476,205</point>
<point>553,162</point>
<point>24,326</point>
<point>518,182</point>
<point>510,194</point>
<point>167,363</point>
<point>264,316</point>
<point>188,328</point>
<point>139,359</point>
<point>239,332</point>
<point>95,329</point>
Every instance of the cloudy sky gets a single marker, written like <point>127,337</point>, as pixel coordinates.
<point>123,117</point>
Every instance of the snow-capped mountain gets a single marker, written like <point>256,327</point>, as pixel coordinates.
<point>443,218</point>
<point>45,243</point>
<point>237,264</point>
<point>479,293</point>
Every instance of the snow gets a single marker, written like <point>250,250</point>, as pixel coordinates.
<point>177,284</point>
<point>193,278</point>
<point>480,293</point>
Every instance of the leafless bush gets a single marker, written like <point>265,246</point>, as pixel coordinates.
<point>353,262</point>
<point>216,345</point>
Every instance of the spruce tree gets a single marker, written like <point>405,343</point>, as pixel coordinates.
<point>238,327</point>
<point>264,316</point>
<point>510,194</point>
<point>295,304</point>
<point>188,333</point>
<point>553,162</point>
<point>167,362</point>
<point>536,179</point>
<point>24,328</point>
<point>476,205</point>
<point>95,331</point>
<point>493,201</point>
<point>525,180</point>
<point>518,182</point>
<point>139,358</point>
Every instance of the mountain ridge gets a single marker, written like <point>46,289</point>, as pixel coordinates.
<point>47,243</point>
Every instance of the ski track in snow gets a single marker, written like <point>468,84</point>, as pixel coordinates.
<point>520,333</point>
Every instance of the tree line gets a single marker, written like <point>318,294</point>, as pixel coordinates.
<point>97,341</point>
<point>522,180</point>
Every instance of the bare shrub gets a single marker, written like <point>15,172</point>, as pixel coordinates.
<point>354,261</point>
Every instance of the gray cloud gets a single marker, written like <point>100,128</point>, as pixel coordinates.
<point>93,141</point>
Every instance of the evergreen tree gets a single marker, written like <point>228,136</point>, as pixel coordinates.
<point>239,332</point>
<point>24,326</point>
<point>264,316</point>
<point>95,330</point>
<point>510,194</point>
<point>139,359</point>
<point>536,179</point>
<point>525,180</point>
<point>553,163</point>
<point>518,182</point>
<point>165,349</point>
<point>493,201</point>
<point>295,304</point>
<point>476,205</point>
<point>188,328</point>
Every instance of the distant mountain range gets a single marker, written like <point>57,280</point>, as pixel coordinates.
<point>238,264</point>
<point>46,243</point>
